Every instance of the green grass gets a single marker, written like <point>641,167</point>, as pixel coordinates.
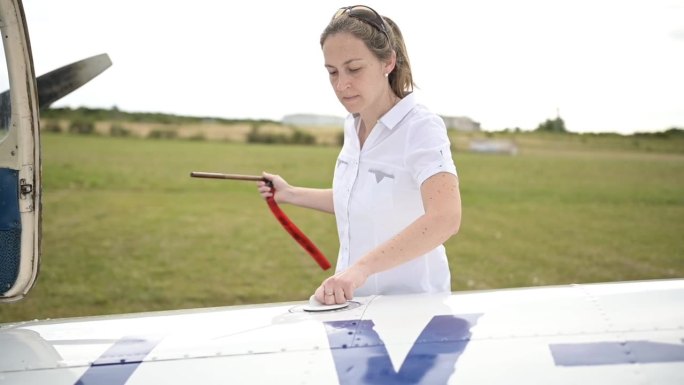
<point>125,228</point>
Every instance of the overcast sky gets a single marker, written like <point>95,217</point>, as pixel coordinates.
<point>605,65</point>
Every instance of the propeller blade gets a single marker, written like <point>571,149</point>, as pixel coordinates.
<point>58,83</point>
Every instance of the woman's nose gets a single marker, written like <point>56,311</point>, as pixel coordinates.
<point>341,83</point>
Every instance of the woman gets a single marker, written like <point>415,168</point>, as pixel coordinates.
<point>395,192</point>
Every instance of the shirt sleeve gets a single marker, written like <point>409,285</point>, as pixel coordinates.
<point>429,149</point>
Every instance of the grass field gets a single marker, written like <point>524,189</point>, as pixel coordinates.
<point>125,228</point>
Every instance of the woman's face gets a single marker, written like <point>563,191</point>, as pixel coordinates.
<point>356,75</point>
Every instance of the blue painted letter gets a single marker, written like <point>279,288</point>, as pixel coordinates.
<point>361,356</point>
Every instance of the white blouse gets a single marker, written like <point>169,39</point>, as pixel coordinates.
<point>376,194</point>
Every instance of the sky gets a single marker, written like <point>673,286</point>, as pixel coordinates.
<point>602,65</point>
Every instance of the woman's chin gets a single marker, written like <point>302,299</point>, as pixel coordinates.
<point>350,105</point>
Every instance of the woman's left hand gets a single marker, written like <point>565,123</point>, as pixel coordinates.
<point>340,287</point>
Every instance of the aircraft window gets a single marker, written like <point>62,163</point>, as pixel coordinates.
<point>5,111</point>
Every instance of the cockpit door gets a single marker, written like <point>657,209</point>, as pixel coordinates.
<point>20,168</point>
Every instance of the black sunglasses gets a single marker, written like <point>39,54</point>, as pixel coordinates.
<point>365,14</point>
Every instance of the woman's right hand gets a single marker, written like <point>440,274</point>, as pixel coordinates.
<point>280,185</point>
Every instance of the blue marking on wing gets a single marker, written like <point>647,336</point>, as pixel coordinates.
<point>361,356</point>
<point>614,353</point>
<point>116,365</point>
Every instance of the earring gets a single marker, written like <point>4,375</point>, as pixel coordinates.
<point>387,74</point>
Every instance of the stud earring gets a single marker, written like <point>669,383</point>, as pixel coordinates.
<point>387,74</point>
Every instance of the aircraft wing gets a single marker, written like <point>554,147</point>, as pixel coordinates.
<point>611,333</point>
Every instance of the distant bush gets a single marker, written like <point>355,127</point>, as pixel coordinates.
<point>119,130</point>
<point>114,113</point>
<point>301,137</point>
<point>297,137</point>
<point>673,132</point>
<point>52,127</point>
<point>254,136</point>
<point>162,134</point>
<point>268,138</point>
<point>197,137</point>
<point>82,127</point>
<point>552,125</point>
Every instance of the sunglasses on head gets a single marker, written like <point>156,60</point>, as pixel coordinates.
<point>365,14</point>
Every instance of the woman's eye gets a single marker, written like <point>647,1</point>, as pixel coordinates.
<point>354,69</point>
